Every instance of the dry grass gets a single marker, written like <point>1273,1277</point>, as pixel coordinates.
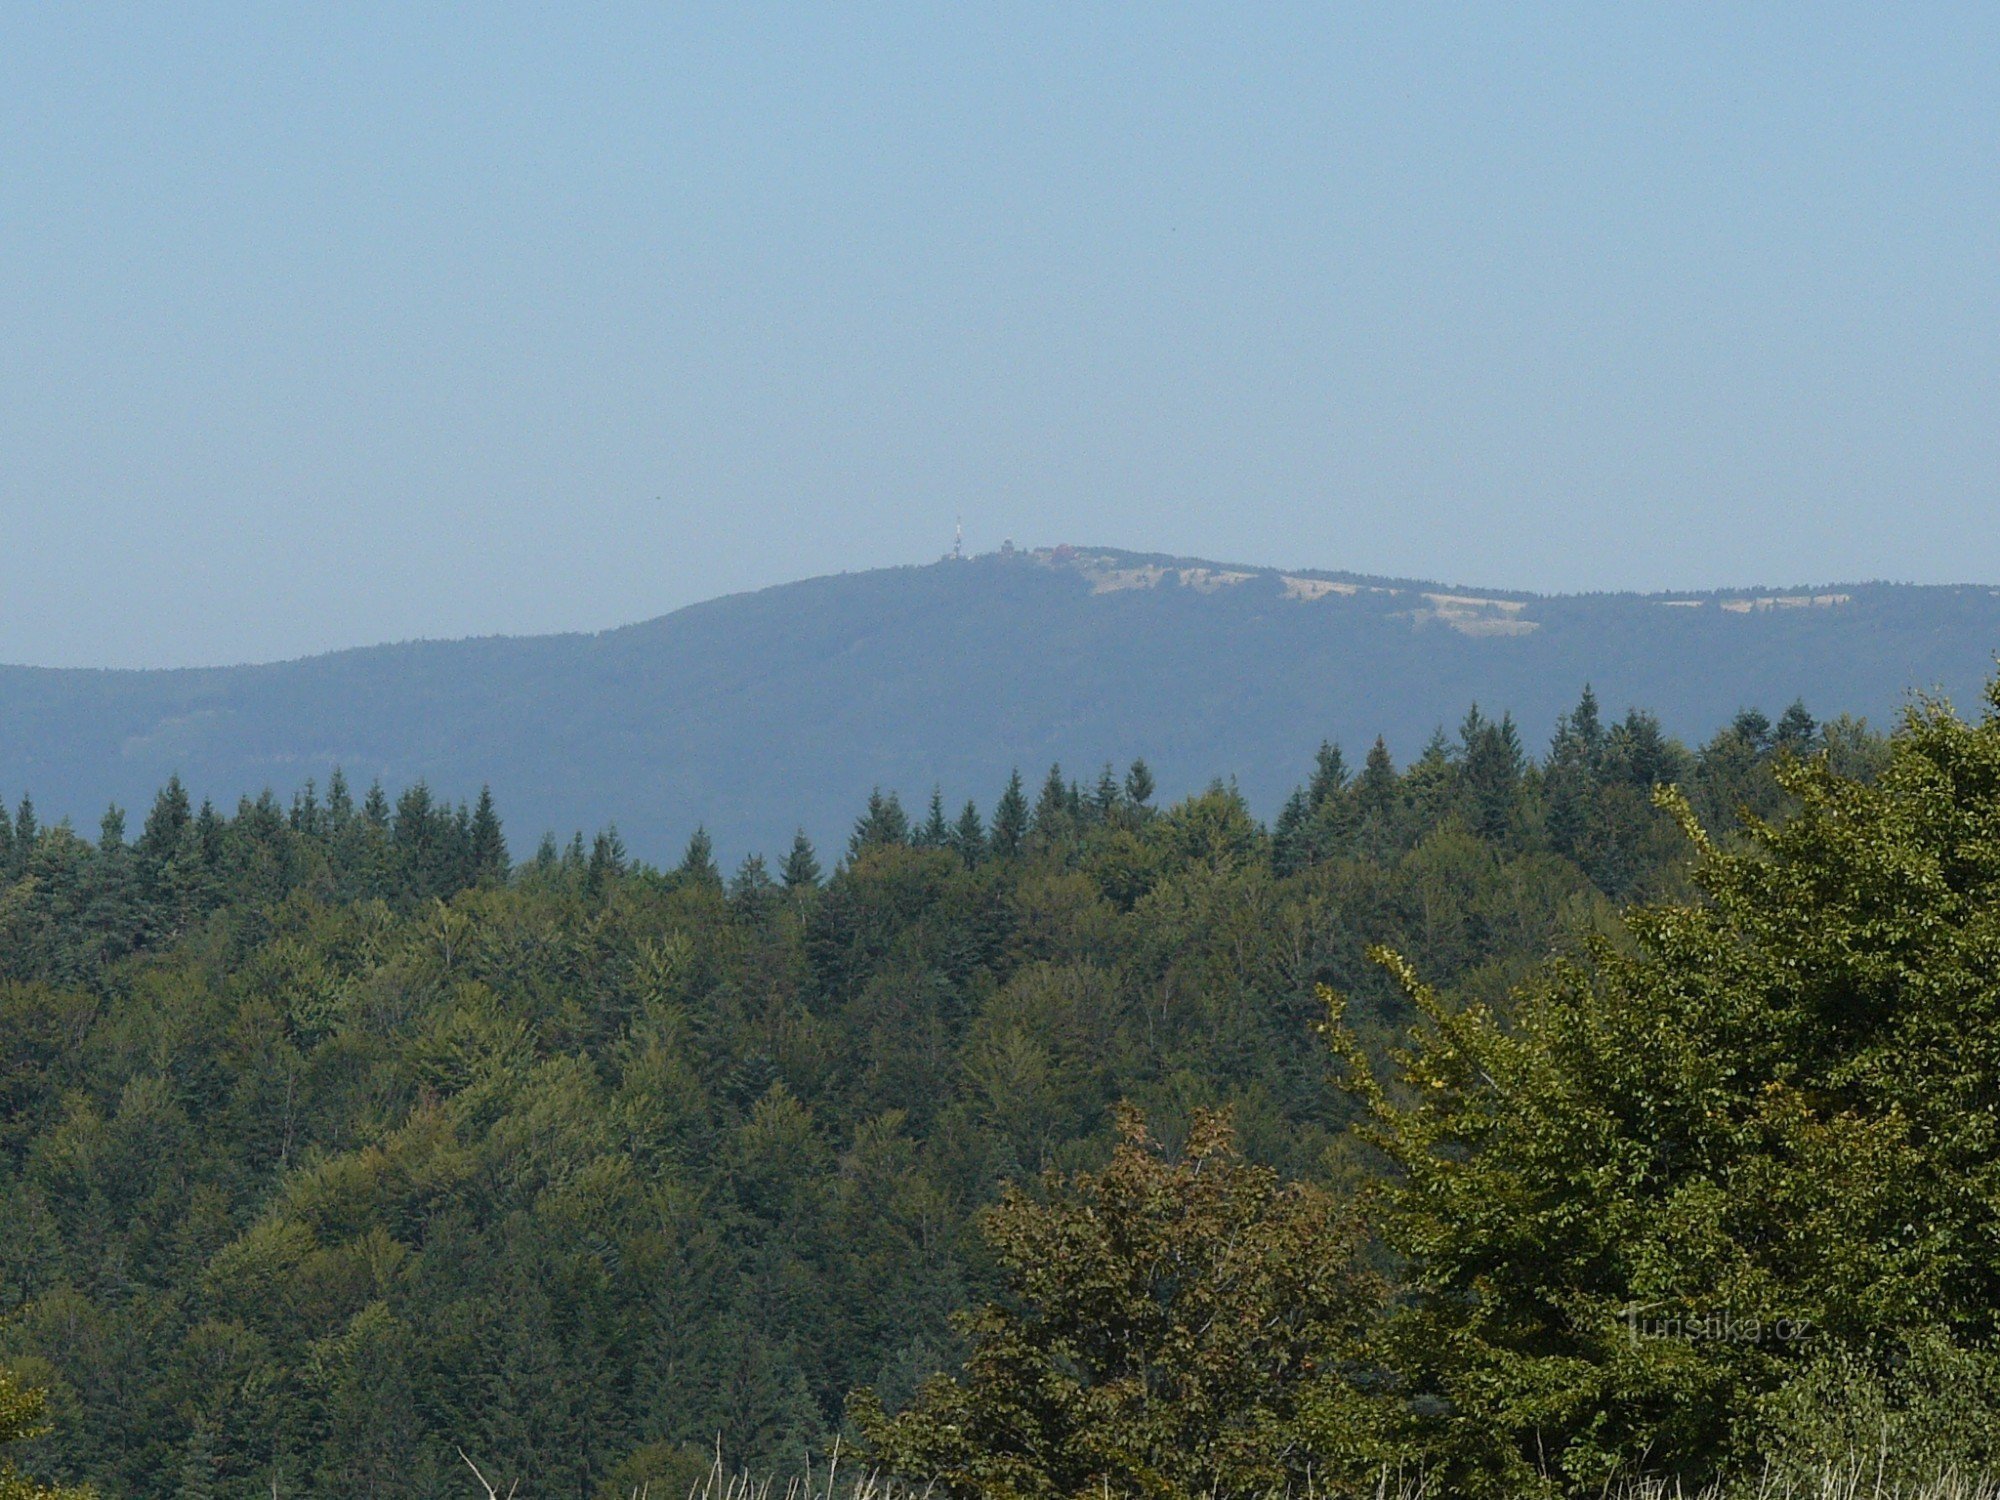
<point>827,1483</point>
<point>1856,1481</point>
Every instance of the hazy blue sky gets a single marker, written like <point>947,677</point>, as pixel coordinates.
<point>325,325</point>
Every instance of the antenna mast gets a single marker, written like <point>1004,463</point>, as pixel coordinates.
<point>958,541</point>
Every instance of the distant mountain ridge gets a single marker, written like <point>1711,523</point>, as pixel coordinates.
<point>758,712</point>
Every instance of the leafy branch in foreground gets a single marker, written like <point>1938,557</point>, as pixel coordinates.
<point>23,1416</point>
<point>1166,1322</point>
<point>1762,1134</point>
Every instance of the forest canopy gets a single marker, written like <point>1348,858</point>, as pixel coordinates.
<point>337,1140</point>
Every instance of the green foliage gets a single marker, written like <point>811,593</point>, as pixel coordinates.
<point>23,1417</point>
<point>1934,1411</point>
<point>1164,1322</point>
<point>330,1144</point>
<point>1761,1130</point>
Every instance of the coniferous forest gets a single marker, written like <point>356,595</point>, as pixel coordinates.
<point>1531,1117</point>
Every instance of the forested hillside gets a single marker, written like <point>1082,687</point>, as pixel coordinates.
<point>758,713</point>
<point>336,1140</point>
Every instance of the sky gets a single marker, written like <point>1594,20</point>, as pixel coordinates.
<point>331,325</point>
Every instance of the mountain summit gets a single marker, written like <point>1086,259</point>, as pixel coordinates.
<point>749,712</point>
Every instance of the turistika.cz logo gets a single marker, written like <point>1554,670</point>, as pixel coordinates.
<point>1712,1327</point>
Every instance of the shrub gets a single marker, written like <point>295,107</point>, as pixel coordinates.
<point>1168,1321</point>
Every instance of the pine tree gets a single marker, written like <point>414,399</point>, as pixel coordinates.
<point>1010,819</point>
<point>801,869</point>
<point>111,829</point>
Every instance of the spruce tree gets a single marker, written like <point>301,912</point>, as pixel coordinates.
<point>968,835</point>
<point>607,859</point>
<point>166,823</point>
<point>306,812</point>
<point>1753,727</point>
<point>1375,790</point>
<point>1490,766</point>
<point>1570,777</point>
<point>936,832</point>
<point>339,801</point>
<point>698,862</point>
<point>1139,783</point>
<point>1052,807</point>
<point>884,822</point>
<point>1329,777</point>
<point>1010,819</point>
<point>1587,725</point>
<point>1288,835</point>
<point>26,829</point>
<point>801,870</point>
<point>1640,752</point>
<point>207,830</point>
<point>489,843</point>
<point>196,1480</point>
<point>1104,798</point>
<point>1796,729</point>
<point>420,836</point>
<point>457,860</point>
<point>752,884</point>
